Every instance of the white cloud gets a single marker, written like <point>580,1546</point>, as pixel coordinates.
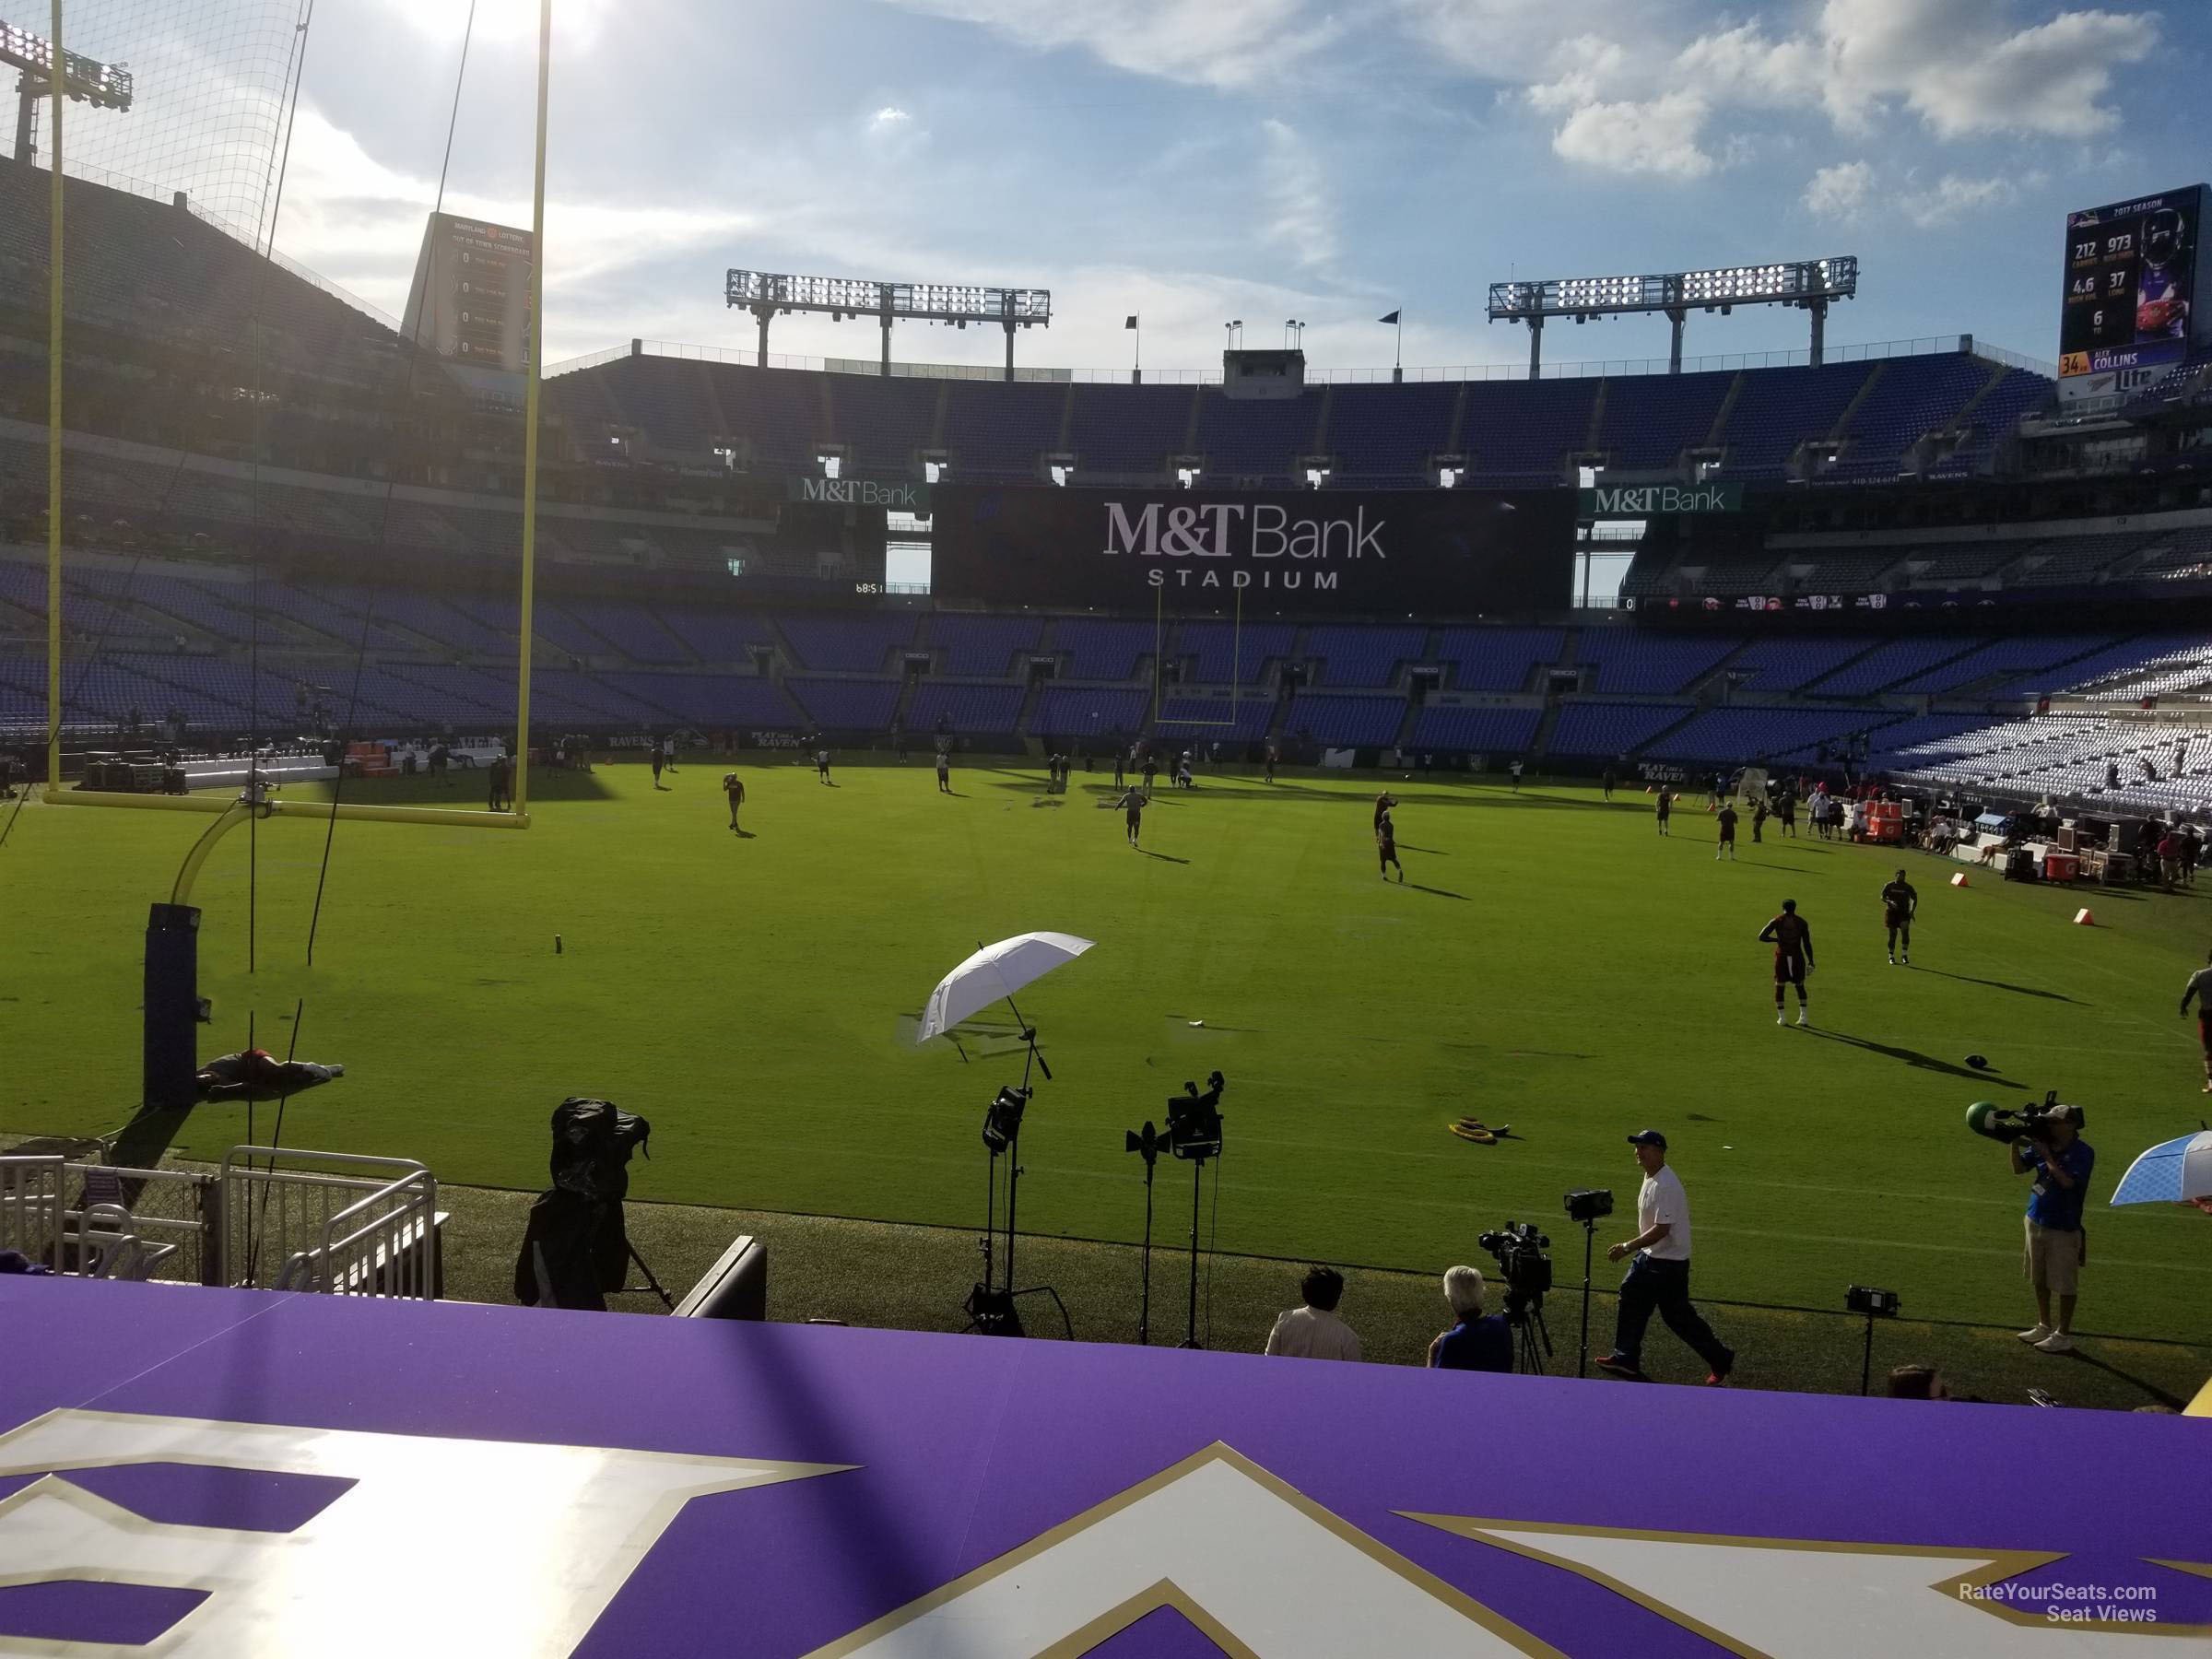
<point>1202,42</point>
<point>1840,192</point>
<point>1741,65</point>
<point>499,22</point>
<point>1967,67</point>
<point>1584,70</point>
<point>1626,88</point>
<point>1952,197</point>
<point>1660,137</point>
<point>1514,42</point>
<point>891,118</point>
<point>1302,218</point>
<point>358,222</point>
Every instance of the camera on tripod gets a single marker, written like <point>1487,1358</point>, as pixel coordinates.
<point>1519,1249</point>
<point>1194,1119</point>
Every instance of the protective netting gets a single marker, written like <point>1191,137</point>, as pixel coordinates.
<point>287,517</point>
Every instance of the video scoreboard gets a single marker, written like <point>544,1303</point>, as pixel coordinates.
<point>2131,287</point>
<point>470,299</point>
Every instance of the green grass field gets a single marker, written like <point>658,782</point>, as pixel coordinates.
<point>1550,964</point>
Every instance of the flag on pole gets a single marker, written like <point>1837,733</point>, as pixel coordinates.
<point>1391,318</point>
<point>1132,322</point>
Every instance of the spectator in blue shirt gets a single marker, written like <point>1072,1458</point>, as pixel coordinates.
<point>1476,1343</point>
<point>2057,1247</point>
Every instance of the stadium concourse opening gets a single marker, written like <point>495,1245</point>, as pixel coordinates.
<point>1733,925</point>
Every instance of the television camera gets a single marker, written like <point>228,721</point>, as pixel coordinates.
<point>2034,1122</point>
<point>1519,1250</point>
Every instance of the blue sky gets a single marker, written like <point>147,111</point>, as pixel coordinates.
<point>1194,160</point>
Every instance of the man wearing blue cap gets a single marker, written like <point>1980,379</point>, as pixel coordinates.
<point>1658,1279</point>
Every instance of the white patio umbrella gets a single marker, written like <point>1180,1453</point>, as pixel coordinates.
<point>994,972</point>
<point>2174,1171</point>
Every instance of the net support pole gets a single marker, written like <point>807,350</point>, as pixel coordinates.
<point>530,399</point>
<point>53,423</point>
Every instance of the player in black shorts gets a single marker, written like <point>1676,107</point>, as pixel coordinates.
<point>1727,823</point>
<point>1900,905</point>
<point>1665,806</point>
<point>1132,804</point>
<point>1386,846</point>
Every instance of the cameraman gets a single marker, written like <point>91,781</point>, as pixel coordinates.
<point>2061,1161</point>
<point>1476,1343</point>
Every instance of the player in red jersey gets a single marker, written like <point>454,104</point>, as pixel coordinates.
<point>1791,937</point>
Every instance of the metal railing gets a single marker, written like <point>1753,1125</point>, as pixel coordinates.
<point>290,1224</point>
<point>1596,368</point>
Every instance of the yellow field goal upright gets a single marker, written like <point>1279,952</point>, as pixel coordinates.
<point>1160,657</point>
<point>72,85</point>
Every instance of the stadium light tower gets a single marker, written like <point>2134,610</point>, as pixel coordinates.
<point>84,81</point>
<point>1810,284</point>
<point>766,293</point>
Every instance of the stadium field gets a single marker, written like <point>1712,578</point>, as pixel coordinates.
<point>1549,964</point>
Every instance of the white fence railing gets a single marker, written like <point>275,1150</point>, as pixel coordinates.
<point>271,1218</point>
<point>30,1208</point>
<point>292,1221</point>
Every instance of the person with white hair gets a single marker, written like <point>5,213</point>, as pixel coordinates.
<point>1478,1342</point>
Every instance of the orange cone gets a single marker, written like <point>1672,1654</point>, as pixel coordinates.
<point>1960,880</point>
<point>2082,918</point>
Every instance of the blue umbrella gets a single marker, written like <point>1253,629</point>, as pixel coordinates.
<point>2174,1171</point>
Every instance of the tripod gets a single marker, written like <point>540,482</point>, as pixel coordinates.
<point>1532,1347</point>
<point>651,1283</point>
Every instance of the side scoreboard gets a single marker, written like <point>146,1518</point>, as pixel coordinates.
<point>2131,285</point>
<point>470,299</point>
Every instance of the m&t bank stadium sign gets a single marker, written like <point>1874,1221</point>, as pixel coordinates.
<point>893,496</point>
<point>1659,501</point>
<point>1371,551</point>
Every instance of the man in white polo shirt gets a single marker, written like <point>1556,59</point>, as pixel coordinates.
<point>1313,1331</point>
<point>1659,1277</point>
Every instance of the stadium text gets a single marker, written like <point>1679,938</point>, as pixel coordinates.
<point>1223,529</point>
<point>1320,582</point>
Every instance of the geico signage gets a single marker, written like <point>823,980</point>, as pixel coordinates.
<point>860,492</point>
<point>1239,530</point>
<point>1653,500</point>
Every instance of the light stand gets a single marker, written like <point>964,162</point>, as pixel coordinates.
<point>990,1305</point>
<point>1194,1134</point>
<point>1189,1325</point>
<point>1586,1205</point>
<point>1148,1143</point>
<point>1582,1349</point>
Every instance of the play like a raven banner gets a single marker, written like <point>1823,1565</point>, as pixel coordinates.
<point>1291,551</point>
